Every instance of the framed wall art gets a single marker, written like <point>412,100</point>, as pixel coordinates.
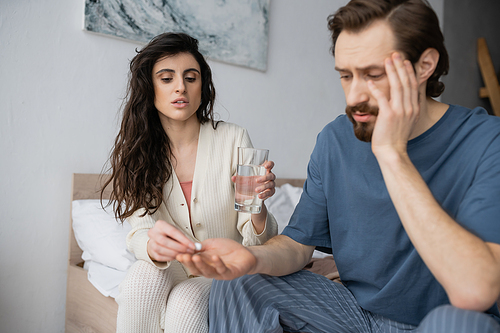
<point>231,31</point>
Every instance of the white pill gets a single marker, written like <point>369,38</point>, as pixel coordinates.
<point>197,246</point>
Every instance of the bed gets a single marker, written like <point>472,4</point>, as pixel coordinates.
<point>90,304</point>
<point>87,309</point>
<point>98,252</point>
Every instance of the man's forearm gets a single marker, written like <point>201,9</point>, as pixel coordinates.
<point>280,256</point>
<point>467,267</point>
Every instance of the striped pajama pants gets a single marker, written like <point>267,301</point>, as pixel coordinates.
<point>307,302</point>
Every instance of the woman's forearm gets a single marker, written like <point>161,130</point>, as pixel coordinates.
<point>259,220</point>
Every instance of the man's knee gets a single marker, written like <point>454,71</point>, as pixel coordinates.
<point>232,285</point>
<point>237,290</point>
<point>447,318</point>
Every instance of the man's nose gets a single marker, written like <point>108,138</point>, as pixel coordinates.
<point>358,93</point>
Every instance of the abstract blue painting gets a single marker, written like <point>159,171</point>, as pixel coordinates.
<point>232,31</point>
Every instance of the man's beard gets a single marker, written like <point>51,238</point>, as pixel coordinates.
<point>363,131</point>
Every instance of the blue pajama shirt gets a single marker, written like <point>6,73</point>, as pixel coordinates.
<point>345,206</point>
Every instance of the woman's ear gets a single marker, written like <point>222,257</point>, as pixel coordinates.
<point>427,64</point>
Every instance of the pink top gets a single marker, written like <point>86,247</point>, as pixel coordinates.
<point>186,189</point>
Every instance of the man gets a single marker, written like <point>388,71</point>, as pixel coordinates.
<point>411,210</point>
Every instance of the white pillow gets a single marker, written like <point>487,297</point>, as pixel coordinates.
<point>282,204</point>
<point>104,278</point>
<point>100,235</point>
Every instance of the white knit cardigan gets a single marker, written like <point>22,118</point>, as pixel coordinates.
<point>212,197</point>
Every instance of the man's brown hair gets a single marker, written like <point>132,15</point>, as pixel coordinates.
<point>414,23</point>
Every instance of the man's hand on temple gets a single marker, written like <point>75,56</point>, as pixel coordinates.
<point>397,117</point>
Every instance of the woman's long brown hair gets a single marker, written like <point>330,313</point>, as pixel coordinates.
<point>140,161</point>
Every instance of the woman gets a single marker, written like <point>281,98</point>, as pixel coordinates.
<point>172,168</point>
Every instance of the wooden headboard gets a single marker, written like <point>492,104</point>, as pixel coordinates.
<point>88,186</point>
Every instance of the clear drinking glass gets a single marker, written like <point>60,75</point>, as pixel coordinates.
<point>250,161</point>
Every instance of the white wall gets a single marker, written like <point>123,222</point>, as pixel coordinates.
<point>60,90</point>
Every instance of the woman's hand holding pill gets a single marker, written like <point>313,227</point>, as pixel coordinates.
<point>166,242</point>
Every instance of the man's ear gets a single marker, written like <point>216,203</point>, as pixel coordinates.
<point>427,64</point>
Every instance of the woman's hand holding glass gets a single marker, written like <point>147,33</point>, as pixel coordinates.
<point>268,187</point>
<point>266,183</point>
